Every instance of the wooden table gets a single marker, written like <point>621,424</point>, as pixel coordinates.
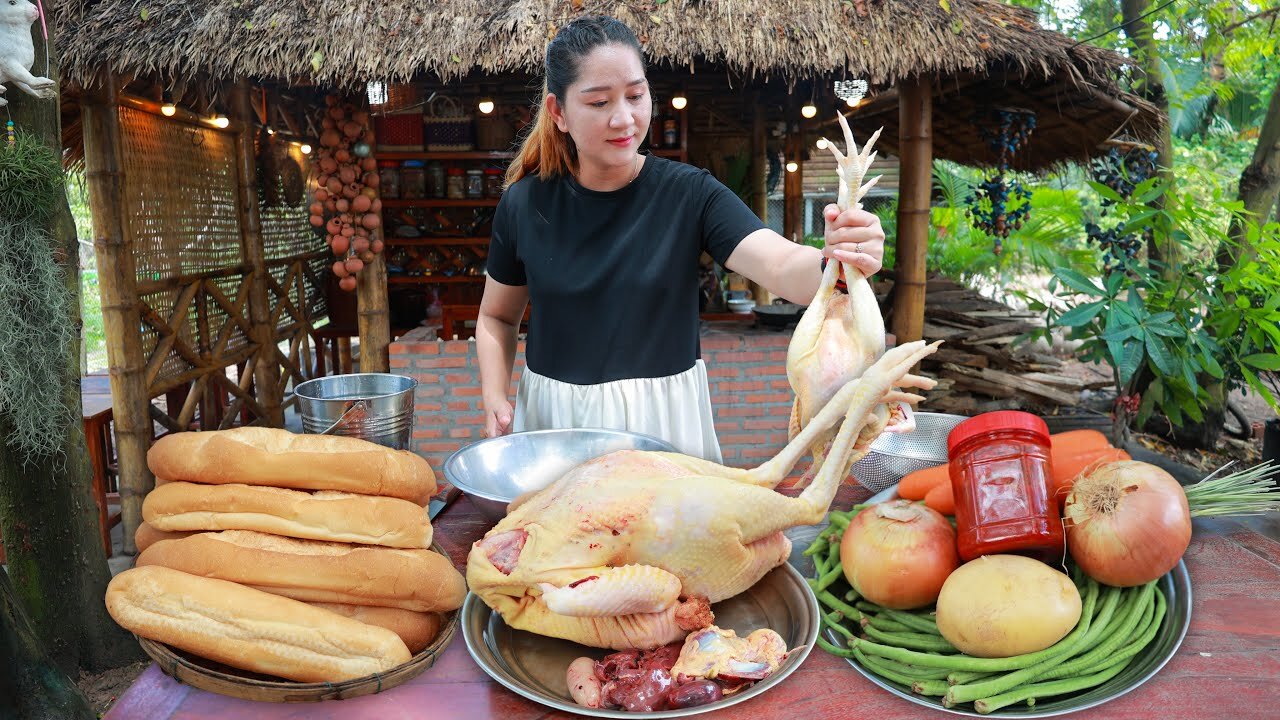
<point>1228,667</point>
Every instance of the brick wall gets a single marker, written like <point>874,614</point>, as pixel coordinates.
<point>746,367</point>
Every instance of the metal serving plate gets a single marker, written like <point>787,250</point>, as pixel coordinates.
<point>1177,593</point>
<point>534,666</point>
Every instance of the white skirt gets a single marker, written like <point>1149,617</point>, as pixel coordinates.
<point>676,408</point>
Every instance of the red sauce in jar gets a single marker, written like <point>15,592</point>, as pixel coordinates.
<point>1001,472</point>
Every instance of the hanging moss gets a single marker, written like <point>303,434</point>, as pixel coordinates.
<point>35,339</point>
<point>30,179</point>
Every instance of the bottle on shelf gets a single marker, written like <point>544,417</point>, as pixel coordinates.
<point>435,179</point>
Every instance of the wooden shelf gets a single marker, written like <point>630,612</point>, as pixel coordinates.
<point>433,279</point>
<point>437,241</point>
<point>457,155</point>
<point>673,153</point>
<point>434,202</point>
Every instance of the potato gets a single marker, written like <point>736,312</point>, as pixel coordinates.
<point>1004,605</point>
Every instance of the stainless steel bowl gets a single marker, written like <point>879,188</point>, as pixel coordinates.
<point>495,471</point>
<point>534,666</point>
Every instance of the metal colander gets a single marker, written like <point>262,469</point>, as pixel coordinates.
<point>893,455</point>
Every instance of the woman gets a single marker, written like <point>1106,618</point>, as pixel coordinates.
<point>605,241</point>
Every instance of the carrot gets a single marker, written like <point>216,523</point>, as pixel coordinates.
<point>1072,442</point>
<point>941,499</point>
<point>1069,466</point>
<point>915,485</point>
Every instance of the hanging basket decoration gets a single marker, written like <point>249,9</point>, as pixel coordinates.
<point>1002,203</point>
<point>1125,166</point>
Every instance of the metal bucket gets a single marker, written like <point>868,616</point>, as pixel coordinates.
<point>377,407</point>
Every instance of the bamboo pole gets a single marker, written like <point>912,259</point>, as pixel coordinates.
<point>266,369</point>
<point>793,182</point>
<point>374,319</point>
<point>122,321</point>
<point>759,179</point>
<point>915,143</point>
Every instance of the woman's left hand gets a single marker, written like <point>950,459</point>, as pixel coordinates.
<point>854,237</point>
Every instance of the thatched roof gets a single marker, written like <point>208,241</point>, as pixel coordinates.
<point>347,43</point>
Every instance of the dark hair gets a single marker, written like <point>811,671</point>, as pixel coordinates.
<point>546,151</point>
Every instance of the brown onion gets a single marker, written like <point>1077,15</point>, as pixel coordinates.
<point>352,129</point>
<point>369,164</point>
<point>360,244</point>
<point>328,165</point>
<point>342,205</point>
<point>898,554</point>
<point>1127,522</point>
<point>351,190</point>
<point>347,283</point>
<point>370,221</point>
<point>376,246</point>
<point>354,265</point>
<point>321,195</point>
<point>367,256</point>
<point>347,174</point>
<point>342,155</point>
<point>339,245</point>
<point>361,203</point>
<point>316,208</point>
<point>316,220</point>
<point>340,269</point>
<point>330,138</point>
<point>334,226</point>
<point>333,185</point>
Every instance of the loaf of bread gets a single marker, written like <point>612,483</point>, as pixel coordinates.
<point>315,515</point>
<point>416,629</point>
<point>249,629</point>
<point>279,458</point>
<point>316,571</point>
<point>146,536</point>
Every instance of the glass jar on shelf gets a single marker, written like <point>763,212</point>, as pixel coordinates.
<point>456,184</point>
<point>475,183</point>
<point>389,179</point>
<point>413,180</point>
<point>493,182</point>
<point>435,179</point>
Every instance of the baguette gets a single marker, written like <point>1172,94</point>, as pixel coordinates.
<point>319,515</point>
<point>249,629</point>
<point>315,571</point>
<point>416,629</point>
<point>147,535</point>
<point>279,458</point>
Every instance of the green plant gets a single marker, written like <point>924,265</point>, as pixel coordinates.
<point>1170,338</point>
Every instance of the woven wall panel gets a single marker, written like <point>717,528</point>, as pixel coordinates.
<point>180,196</point>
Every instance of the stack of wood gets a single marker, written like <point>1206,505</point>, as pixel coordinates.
<point>978,367</point>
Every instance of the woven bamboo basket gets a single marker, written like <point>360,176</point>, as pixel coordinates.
<point>215,677</point>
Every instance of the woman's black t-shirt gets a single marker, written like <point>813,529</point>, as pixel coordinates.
<point>613,276</point>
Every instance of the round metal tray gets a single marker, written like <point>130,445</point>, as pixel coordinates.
<point>534,665</point>
<point>1177,592</point>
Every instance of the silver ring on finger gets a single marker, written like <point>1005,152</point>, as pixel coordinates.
<point>857,248</point>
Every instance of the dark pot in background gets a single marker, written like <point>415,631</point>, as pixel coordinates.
<point>1271,441</point>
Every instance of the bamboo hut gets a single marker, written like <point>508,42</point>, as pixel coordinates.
<point>930,71</point>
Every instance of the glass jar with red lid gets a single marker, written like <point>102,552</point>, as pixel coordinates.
<point>1001,472</point>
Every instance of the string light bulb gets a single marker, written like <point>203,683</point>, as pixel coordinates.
<point>485,106</point>
<point>679,101</point>
<point>792,166</point>
<point>220,121</point>
<point>305,148</point>
<point>809,110</point>
<point>821,144</point>
<point>168,109</point>
<point>853,102</point>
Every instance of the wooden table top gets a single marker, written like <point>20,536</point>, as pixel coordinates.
<point>1228,667</point>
